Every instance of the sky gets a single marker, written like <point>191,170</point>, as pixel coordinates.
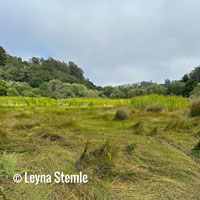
<point>114,41</point>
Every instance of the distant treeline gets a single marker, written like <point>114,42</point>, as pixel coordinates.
<point>52,78</point>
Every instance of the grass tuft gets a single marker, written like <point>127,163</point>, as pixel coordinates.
<point>195,109</point>
<point>197,147</point>
<point>130,147</point>
<point>26,125</point>
<point>153,132</point>
<point>121,114</point>
<point>8,166</point>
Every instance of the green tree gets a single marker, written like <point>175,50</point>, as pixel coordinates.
<point>189,86</point>
<point>195,74</point>
<point>35,82</point>
<point>2,56</point>
<point>108,90</point>
<point>45,90</point>
<point>185,78</point>
<point>196,91</point>
<point>176,88</point>
<point>156,89</point>
<point>116,93</point>
<point>3,88</point>
<point>22,87</point>
<point>12,92</point>
<point>55,85</point>
<point>75,70</point>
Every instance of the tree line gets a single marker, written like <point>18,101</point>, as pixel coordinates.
<point>52,78</point>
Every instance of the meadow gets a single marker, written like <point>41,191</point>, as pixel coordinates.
<point>147,156</point>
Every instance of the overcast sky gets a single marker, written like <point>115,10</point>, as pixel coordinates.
<point>114,41</point>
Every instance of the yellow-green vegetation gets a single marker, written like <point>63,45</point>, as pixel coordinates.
<point>147,156</point>
<point>195,109</point>
<point>26,101</point>
<point>170,103</point>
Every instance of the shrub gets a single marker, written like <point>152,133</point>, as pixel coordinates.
<point>121,114</point>
<point>3,88</point>
<point>195,109</point>
<point>154,108</point>
<point>12,92</point>
<point>176,88</point>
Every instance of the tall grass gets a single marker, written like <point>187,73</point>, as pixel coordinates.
<point>26,101</point>
<point>170,103</point>
<point>86,102</point>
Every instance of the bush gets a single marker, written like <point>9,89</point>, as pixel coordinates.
<point>22,87</point>
<point>176,88</point>
<point>3,88</point>
<point>154,108</point>
<point>121,114</point>
<point>195,109</point>
<point>12,92</point>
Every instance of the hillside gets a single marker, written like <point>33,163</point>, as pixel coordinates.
<point>39,70</point>
<point>43,78</point>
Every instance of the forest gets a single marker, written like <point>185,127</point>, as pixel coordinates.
<point>60,80</point>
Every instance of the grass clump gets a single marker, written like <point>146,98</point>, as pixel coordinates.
<point>197,147</point>
<point>137,125</point>
<point>195,109</point>
<point>8,166</point>
<point>100,161</point>
<point>130,147</point>
<point>51,136</point>
<point>154,108</point>
<point>153,132</point>
<point>198,134</point>
<point>138,128</point>
<point>121,114</point>
<point>196,150</point>
<point>2,195</point>
<point>22,116</point>
<point>181,124</point>
<point>26,125</point>
<point>3,136</point>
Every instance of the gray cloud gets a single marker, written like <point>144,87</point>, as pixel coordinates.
<point>115,42</point>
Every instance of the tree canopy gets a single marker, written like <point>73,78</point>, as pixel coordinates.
<point>2,56</point>
<point>41,77</point>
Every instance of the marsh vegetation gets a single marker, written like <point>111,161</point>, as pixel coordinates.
<point>147,155</point>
